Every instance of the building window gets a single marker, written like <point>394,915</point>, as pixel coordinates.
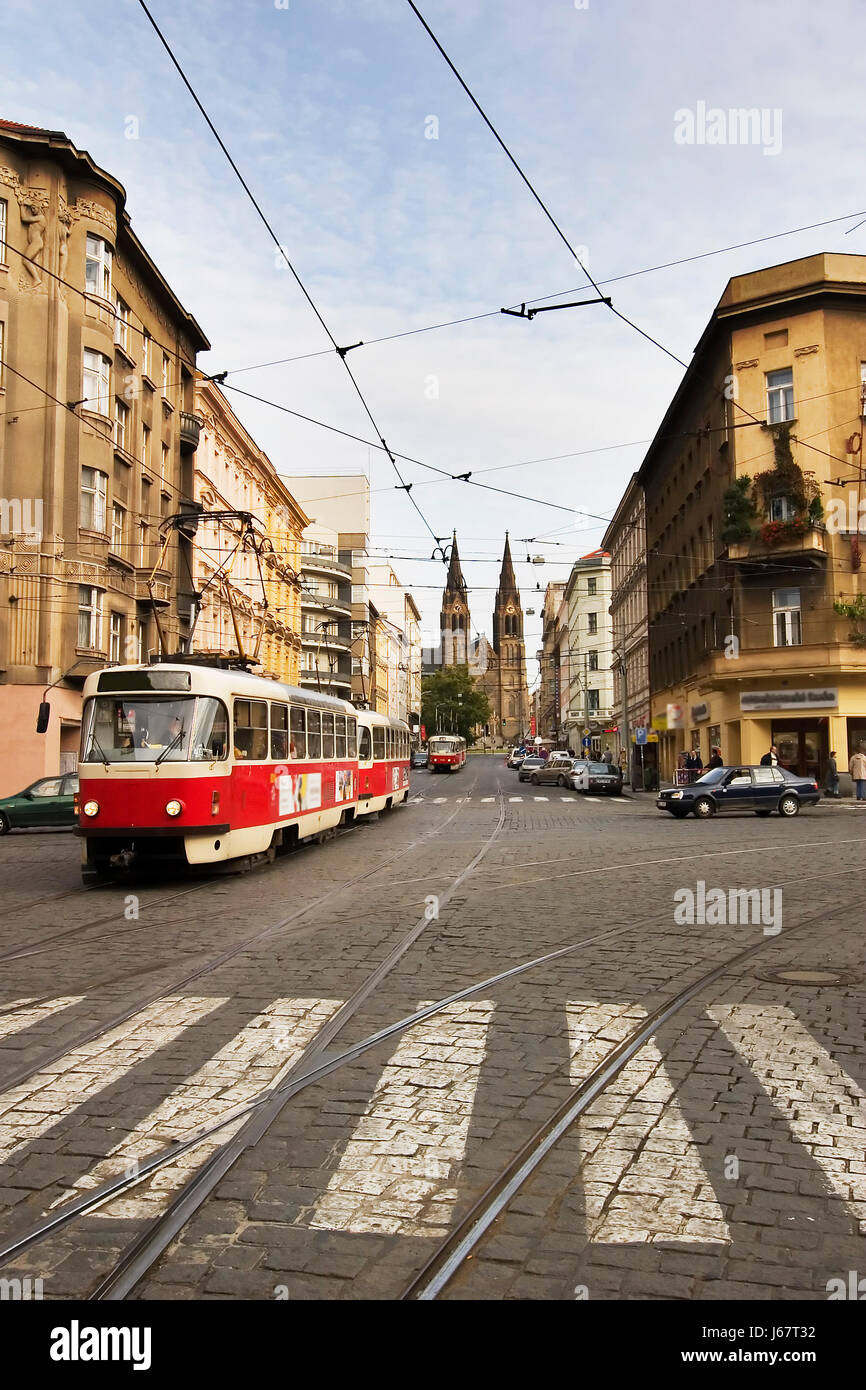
<point>89,617</point>
<point>2,345</point>
<point>97,382</point>
<point>3,211</point>
<point>118,527</point>
<point>94,490</point>
<point>97,267</point>
<point>146,342</point>
<point>592,622</point>
<point>593,661</point>
<point>164,466</point>
<point>142,642</point>
<point>780,396</point>
<point>115,636</point>
<point>787,630</point>
<point>142,544</point>
<point>165,375</point>
<point>358,593</point>
<point>121,324</point>
<point>145,446</point>
<point>781,509</point>
<point>592,586</point>
<point>121,422</point>
<point>592,701</point>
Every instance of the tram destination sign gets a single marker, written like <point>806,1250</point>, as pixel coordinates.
<point>754,700</point>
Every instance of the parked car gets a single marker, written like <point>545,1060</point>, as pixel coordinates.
<point>604,778</point>
<point>759,789</point>
<point>528,766</point>
<point>419,758</point>
<point>556,772</point>
<point>515,757</point>
<point>50,801</point>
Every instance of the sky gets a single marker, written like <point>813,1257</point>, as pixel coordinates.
<point>399,211</point>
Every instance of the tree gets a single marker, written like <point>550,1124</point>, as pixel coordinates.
<point>451,703</point>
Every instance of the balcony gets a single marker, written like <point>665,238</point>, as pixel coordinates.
<point>325,679</point>
<point>323,560</point>
<point>321,604</point>
<point>798,546</point>
<point>325,640</point>
<point>190,429</point>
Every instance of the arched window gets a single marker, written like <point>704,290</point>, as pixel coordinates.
<point>455,622</point>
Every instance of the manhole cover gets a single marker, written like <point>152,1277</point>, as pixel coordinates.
<point>810,977</point>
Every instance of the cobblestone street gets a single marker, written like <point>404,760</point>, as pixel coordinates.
<point>724,1158</point>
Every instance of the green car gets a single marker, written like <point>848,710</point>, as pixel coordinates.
<point>46,802</point>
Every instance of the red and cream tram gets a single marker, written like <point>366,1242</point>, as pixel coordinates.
<point>446,752</point>
<point>200,765</point>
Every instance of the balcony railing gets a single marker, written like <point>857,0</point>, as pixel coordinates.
<point>775,540</point>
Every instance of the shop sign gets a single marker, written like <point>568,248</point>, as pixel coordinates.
<point>752,701</point>
<point>700,713</point>
<point>676,717</point>
<point>660,721</point>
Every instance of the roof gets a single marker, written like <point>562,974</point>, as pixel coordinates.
<point>27,129</point>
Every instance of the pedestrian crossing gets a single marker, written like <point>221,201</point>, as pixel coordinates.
<point>574,800</point>
<point>408,1132</point>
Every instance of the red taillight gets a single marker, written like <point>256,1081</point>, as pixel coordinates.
<point>214,803</point>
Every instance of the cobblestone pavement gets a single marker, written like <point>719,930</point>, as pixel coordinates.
<point>727,1159</point>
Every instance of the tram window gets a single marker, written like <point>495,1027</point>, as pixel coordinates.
<point>365,746</point>
<point>251,730</point>
<point>314,734</point>
<point>280,732</point>
<point>340,731</point>
<point>378,743</point>
<point>351,737</point>
<point>298,741</point>
<point>327,736</point>
<point>210,738</point>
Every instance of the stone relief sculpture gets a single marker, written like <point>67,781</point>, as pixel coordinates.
<point>64,227</point>
<point>33,211</point>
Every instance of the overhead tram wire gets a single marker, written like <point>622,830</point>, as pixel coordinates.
<point>551,219</point>
<point>341,352</point>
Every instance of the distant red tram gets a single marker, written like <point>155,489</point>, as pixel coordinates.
<point>202,765</point>
<point>446,753</point>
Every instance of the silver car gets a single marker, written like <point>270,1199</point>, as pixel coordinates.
<point>527,767</point>
<point>554,773</point>
<point>604,778</point>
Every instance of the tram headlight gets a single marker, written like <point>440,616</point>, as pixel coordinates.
<point>91,808</point>
<point>173,808</point>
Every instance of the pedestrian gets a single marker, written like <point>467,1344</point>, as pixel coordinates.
<point>697,760</point>
<point>715,760</point>
<point>771,759</point>
<point>857,769</point>
<point>607,756</point>
<point>831,780</point>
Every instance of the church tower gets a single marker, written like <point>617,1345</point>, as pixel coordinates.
<point>454,617</point>
<point>508,644</point>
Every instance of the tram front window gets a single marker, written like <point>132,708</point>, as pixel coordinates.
<point>139,729</point>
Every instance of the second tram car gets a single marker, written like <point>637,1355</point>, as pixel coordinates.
<point>446,753</point>
<point>201,765</point>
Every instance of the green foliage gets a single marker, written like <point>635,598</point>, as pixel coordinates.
<point>787,479</point>
<point>855,611</point>
<point>738,511</point>
<point>451,701</point>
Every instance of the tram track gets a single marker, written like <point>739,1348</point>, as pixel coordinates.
<point>258,1114</point>
<point>23,1075</point>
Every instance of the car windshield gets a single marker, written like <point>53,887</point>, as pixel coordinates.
<point>143,729</point>
<point>715,775</point>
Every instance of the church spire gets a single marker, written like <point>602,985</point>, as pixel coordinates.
<point>507,579</point>
<point>455,583</point>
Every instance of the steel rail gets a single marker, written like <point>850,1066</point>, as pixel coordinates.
<point>25,1074</point>
<point>452,1252</point>
<point>286,1088</point>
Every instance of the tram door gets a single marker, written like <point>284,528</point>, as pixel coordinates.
<point>365,760</point>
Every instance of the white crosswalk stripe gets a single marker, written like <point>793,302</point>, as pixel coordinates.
<point>488,798</point>
<point>541,798</point>
<point>21,1014</point>
<point>439,800</point>
<point>421,1106</point>
<point>819,1121</point>
<point>269,1043</point>
<point>569,800</point>
<point>48,1094</point>
<point>515,798</point>
<point>649,1138</point>
<point>593,798</point>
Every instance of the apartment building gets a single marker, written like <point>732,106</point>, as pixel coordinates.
<point>326,607</point>
<point>588,678</point>
<point>625,540</point>
<point>754,574</point>
<point>398,643</point>
<point>97,393</point>
<point>553,664</point>
<point>247,573</point>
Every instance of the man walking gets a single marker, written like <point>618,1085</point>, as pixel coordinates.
<point>831,781</point>
<point>857,769</point>
<point>771,759</point>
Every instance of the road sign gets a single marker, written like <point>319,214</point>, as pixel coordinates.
<point>586,742</point>
<point>640,735</point>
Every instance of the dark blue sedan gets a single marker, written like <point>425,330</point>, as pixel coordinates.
<point>759,789</point>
